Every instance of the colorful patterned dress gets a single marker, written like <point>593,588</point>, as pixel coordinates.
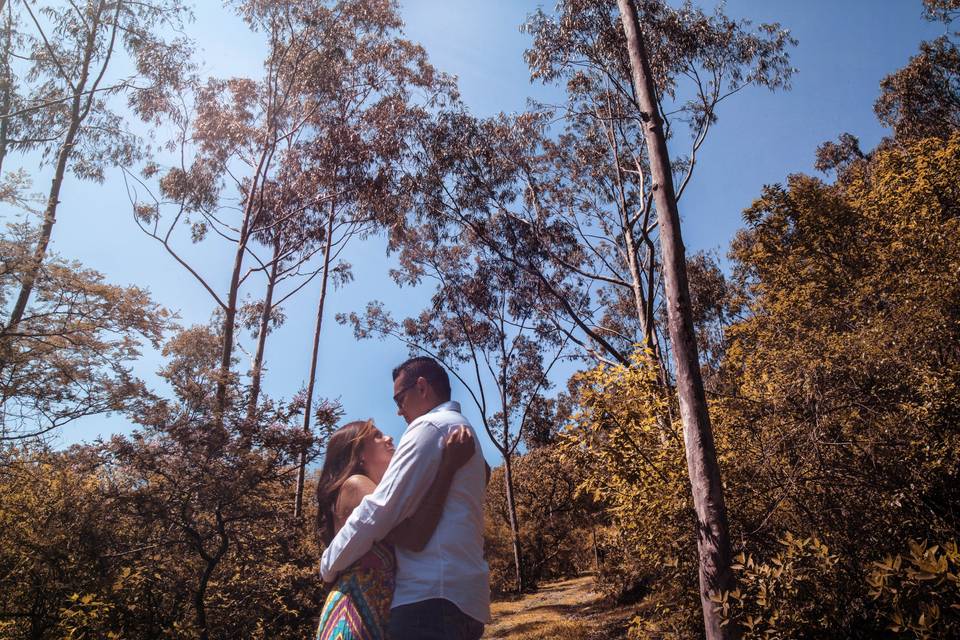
<point>358,607</point>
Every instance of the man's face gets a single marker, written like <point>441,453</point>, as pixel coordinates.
<point>411,397</point>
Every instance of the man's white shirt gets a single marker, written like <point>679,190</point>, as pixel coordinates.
<point>451,566</point>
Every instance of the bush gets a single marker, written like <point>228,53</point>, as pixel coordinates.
<point>918,594</point>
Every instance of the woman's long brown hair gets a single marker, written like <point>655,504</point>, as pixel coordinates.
<point>341,461</point>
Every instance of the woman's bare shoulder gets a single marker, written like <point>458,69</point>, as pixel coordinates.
<point>353,491</point>
<point>359,482</point>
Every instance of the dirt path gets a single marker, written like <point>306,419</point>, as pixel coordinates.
<point>561,610</point>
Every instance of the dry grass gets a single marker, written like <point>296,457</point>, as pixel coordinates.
<point>557,611</point>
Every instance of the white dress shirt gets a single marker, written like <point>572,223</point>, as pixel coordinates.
<point>452,564</point>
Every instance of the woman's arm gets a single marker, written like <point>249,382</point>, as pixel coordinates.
<point>415,532</point>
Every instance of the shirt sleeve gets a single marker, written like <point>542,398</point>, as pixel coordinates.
<point>411,471</point>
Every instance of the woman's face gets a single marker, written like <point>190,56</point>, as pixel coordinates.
<point>376,454</point>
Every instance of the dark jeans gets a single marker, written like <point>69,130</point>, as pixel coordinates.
<point>435,619</point>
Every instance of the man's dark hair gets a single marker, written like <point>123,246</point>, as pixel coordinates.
<point>428,369</point>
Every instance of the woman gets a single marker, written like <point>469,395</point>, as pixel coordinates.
<point>358,453</point>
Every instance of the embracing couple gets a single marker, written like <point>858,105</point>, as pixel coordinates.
<point>404,526</point>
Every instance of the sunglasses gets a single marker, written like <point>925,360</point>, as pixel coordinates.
<point>400,395</point>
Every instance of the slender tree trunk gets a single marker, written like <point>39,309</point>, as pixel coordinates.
<point>308,405</point>
<point>639,299</point>
<point>507,452</point>
<point>644,311</point>
<point>251,214</point>
<point>512,510</point>
<point>644,308</point>
<point>230,321</point>
<point>712,535</point>
<point>210,565</point>
<point>596,550</point>
<point>53,197</point>
<point>200,601</point>
<point>6,87</point>
<point>648,325</point>
<point>256,370</point>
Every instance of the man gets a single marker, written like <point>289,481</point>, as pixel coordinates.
<point>443,591</point>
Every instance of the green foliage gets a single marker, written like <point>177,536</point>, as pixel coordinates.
<point>180,530</point>
<point>837,413</point>
<point>919,592</point>
<point>70,354</point>
<point>788,596</point>
<point>844,375</point>
<point>557,526</point>
<point>632,463</point>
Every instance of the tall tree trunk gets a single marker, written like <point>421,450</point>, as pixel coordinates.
<point>712,535</point>
<point>230,321</point>
<point>507,452</point>
<point>512,511</point>
<point>251,214</point>
<point>267,311</point>
<point>6,86</point>
<point>53,197</point>
<point>308,405</point>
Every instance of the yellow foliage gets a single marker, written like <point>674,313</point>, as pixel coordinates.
<point>919,592</point>
<point>842,399</point>
<point>633,462</point>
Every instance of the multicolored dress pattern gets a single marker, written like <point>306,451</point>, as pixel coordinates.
<point>358,606</point>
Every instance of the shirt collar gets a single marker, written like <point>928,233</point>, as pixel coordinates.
<point>449,405</point>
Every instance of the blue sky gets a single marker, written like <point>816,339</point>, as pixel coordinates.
<point>845,49</point>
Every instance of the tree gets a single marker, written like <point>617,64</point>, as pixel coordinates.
<point>8,95</point>
<point>637,480</point>
<point>713,541</point>
<point>844,373</point>
<point>923,98</point>
<point>590,187</point>
<point>496,169</point>
<point>213,495</point>
<point>561,544</point>
<point>55,532</point>
<point>713,306</point>
<point>942,10</point>
<point>293,238</point>
<point>71,352</point>
<point>170,532</point>
<point>838,156</point>
<point>72,48</point>
<point>326,128</point>
<point>575,213</point>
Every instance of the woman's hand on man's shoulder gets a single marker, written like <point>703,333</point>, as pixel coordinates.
<point>458,447</point>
